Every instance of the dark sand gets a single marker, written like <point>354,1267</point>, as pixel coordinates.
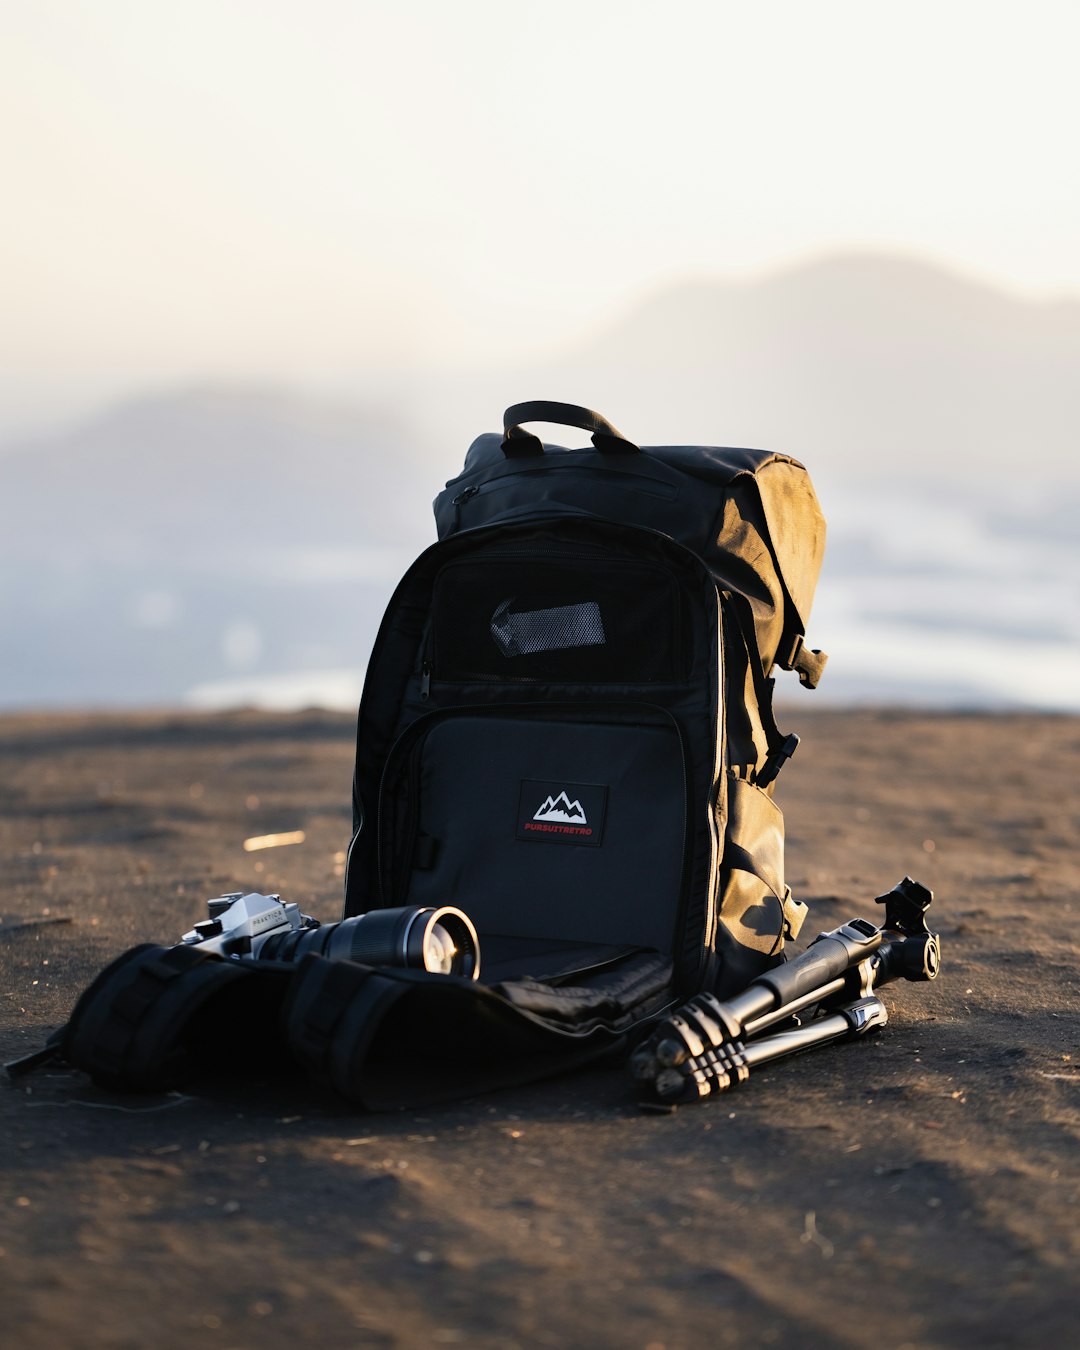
<point>919,1189</point>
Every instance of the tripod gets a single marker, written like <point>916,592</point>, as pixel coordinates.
<point>708,1046</point>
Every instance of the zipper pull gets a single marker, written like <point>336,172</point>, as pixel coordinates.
<point>425,680</point>
<point>466,495</point>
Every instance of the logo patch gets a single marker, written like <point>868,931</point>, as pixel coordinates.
<point>561,813</point>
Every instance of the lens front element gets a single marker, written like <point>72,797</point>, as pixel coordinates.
<point>440,950</point>
<point>444,941</point>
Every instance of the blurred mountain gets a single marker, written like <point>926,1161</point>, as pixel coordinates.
<point>201,535</point>
<point>872,365</point>
<point>228,536</point>
<point>221,468</point>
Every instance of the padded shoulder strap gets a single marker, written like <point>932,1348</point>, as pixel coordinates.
<point>383,1038</point>
<point>141,1025</point>
<point>402,1038</point>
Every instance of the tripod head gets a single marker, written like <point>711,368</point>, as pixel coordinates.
<point>905,907</point>
<point>909,951</point>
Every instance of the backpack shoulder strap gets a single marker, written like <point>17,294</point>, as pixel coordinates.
<point>389,1039</point>
<point>146,1020</point>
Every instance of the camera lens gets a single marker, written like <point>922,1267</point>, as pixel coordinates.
<point>442,940</point>
<point>439,950</point>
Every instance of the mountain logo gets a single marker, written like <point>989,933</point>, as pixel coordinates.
<point>562,808</point>
<point>568,813</point>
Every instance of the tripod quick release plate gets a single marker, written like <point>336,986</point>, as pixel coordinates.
<point>905,907</point>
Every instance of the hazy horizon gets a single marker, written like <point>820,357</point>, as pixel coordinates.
<point>841,231</point>
<point>63,414</point>
<point>233,543</point>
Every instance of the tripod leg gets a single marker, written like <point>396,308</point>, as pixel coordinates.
<point>716,1068</point>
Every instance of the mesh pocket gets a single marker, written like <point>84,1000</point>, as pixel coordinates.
<point>525,632</point>
<point>557,620</point>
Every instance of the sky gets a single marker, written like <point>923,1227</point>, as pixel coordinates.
<point>332,192</point>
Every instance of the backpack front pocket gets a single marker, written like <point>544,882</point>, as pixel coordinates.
<point>556,824</point>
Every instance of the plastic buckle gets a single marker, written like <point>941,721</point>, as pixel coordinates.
<point>776,761</point>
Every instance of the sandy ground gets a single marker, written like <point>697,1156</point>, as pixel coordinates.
<point>920,1189</point>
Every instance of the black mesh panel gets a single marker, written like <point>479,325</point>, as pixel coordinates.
<point>608,621</point>
<point>520,632</point>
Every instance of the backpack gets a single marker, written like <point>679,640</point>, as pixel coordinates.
<point>566,727</point>
<point>566,731</point>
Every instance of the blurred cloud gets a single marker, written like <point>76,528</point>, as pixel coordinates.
<point>241,645</point>
<point>155,609</point>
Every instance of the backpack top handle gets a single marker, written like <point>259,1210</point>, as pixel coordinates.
<point>516,441</point>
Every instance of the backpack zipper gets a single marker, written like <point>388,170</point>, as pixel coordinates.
<point>651,484</point>
<point>459,501</point>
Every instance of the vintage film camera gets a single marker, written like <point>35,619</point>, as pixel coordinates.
<point>262,927</point>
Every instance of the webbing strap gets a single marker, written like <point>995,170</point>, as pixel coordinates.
<point>781,747</point>
<point>517,441</point>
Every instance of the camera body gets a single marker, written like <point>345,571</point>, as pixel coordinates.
<point>440,939</point>
<point>240,925</point>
